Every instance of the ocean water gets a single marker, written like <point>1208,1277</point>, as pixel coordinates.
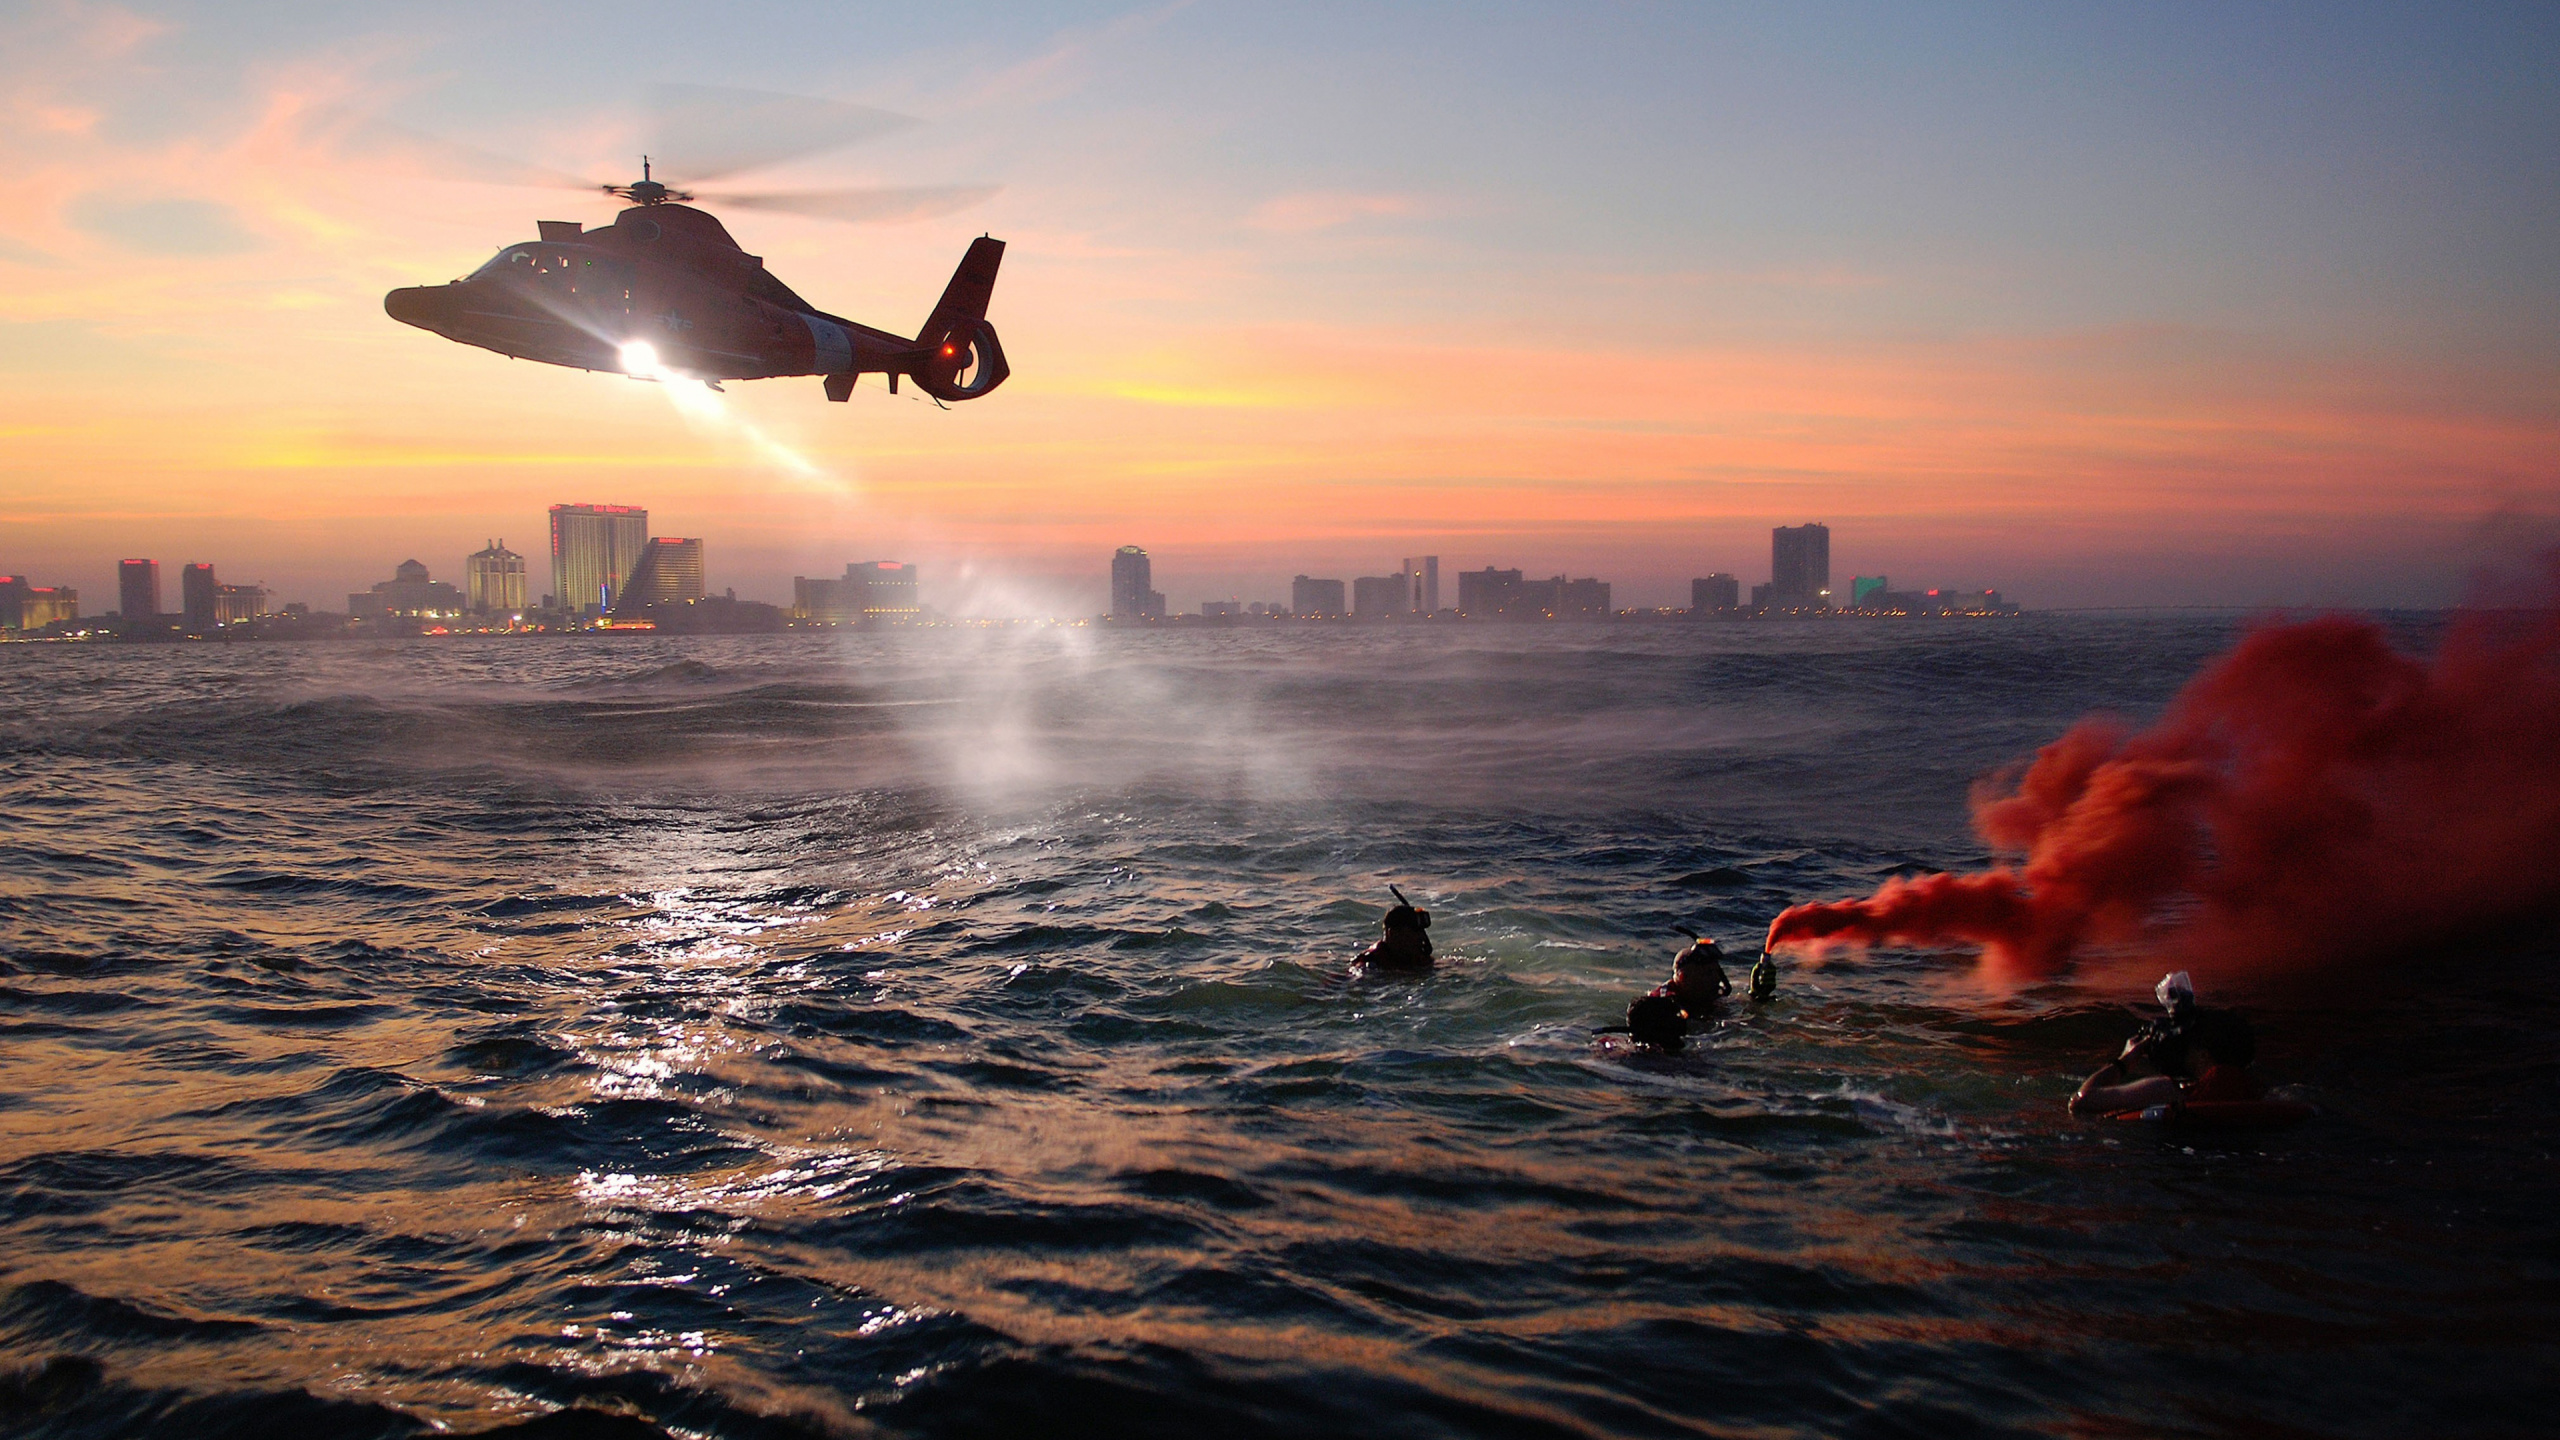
<point>948,1033</point>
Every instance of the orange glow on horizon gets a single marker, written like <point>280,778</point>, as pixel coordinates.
<point>240,389</point>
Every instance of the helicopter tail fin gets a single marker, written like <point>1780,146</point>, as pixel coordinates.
<point>964,300</point>
<point>958,356</point>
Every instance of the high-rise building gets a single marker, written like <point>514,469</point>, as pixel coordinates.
<point>1379,596</point>
<point>138,589</point>
<point>1800,567</point>
<point>195,597</point>
<point>593,548</point>
<point>1308,596</point>
<point>1491,594</point>
<point>888,591</point>
<point>47,604</point>
<point>1485,593</point>
<point>1585,599</point>
<point>825,600</point>
<point>1133,596</point>
<point>1712,593</point>
<point>493,580</point>
<point>407,595</point>
<point>668,572</point>
<point>235,603</point>
<point>871,592</point>
<point>1422,584</point>
<point>25,605</point>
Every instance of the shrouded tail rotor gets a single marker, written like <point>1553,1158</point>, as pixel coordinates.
<point>966,364</point>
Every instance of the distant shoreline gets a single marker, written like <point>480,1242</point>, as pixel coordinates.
<point>334,629</point>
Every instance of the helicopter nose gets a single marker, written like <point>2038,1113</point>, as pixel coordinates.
<point>424,306</point>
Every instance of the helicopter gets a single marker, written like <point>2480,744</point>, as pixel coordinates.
<point>664,293</point>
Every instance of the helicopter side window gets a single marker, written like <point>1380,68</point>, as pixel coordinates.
<point>607,284</point>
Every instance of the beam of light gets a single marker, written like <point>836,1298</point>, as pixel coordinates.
<point>710,412</point>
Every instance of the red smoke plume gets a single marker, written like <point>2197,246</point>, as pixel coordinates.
<point>2313,798</point>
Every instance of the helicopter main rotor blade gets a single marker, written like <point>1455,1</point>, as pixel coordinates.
<point>380,141</point>
<point>702,132</point>
<point>878,204</point>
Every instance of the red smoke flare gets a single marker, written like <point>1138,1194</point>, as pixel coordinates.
<point>2312,799</point>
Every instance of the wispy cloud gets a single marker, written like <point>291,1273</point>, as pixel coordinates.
<point>164,226</point>
<point>1225,334</point>
<point>1310,210</point>
<point>1068,62</point>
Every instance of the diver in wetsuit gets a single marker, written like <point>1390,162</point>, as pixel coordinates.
<point>2189,1054</point>
<point>1655,1022</point>
<point>1697,979</point>
<point>1407,943</point>
<point>1659,1018</point>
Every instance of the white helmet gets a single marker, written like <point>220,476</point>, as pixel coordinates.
<point>2175,990</point>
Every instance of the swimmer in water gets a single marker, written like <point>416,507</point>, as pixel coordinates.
<point>1697,979</point>
<point>1407,943</point>
<point>1655,1022</point>
<point>1659,1019</point>
<point>2190,1053</point>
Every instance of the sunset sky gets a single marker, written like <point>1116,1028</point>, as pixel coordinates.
<point>2098,305</point>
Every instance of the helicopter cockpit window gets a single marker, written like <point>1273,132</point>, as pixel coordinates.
<point>514,260</point>
<point>528,262</point>
<point>551,268</point>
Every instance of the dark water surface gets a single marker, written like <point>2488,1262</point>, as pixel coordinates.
<point>944,1034</point>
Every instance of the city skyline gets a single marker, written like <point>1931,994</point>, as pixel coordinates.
<point>671,571</point>
<point>610,529</point>
<point>1189,575</point>
<point>2116,307</point>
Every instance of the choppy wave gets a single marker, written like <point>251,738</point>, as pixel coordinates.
<point>947,1033</point>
